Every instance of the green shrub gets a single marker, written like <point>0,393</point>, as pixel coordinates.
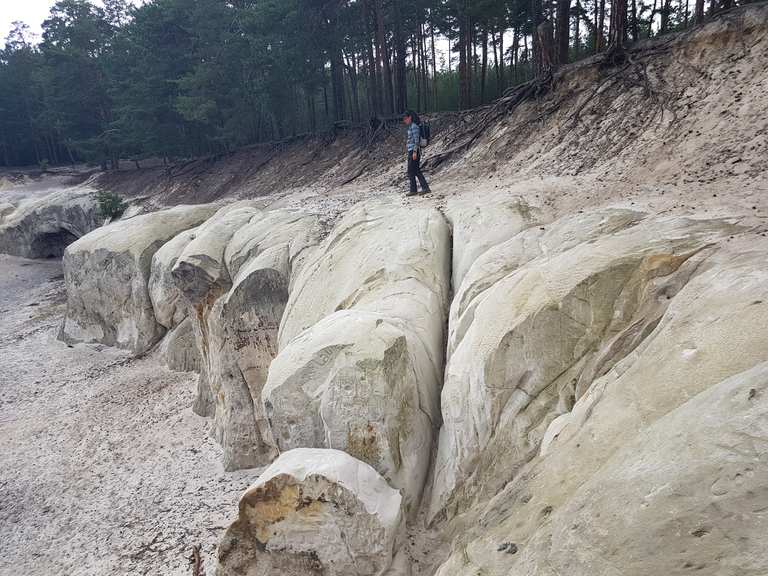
<point>110,204</point>
<point>43,165</point>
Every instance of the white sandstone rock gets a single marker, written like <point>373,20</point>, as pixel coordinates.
<point>107,274</point>
<point>167,300</point>
<point>537,241</point>
<point>313,512</point>
<point>375,259</point>
<point>542,333</point>
<point>43,227</point>
<point>235,274</point>
<point>200,274</point>
<point>658,468</point>
<point>363,383</point>
<point>479,224</point>
<point>200,271</point>
<point>361,344</point>
<point>292,228</point>
<point>6,208</point>
<point>179,348</point>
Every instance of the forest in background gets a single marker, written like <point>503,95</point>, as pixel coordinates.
<point>176,79</point>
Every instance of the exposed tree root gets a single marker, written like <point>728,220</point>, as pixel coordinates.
<point>489,115</point>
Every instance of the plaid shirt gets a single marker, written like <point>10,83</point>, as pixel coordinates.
<point>414,137</point>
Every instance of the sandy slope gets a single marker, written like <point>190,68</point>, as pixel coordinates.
<point>103,467</point>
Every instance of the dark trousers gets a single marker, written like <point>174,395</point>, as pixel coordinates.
<point>414,171</point>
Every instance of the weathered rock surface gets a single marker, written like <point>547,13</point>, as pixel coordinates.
<point>477,226</point>
<point>313,512</point>
<point>200,274</point>
<point>200,271</point>
<point>601,384</point>
<point>373,257</point>
<point>292,228</point>
<point>503,258</point>
<point>361,345</point>
<point>6,209</point>
<point>657,468</point>
<point>167,300</point>
<point>235,276</point>
<point>107,275</point>
<point>44,227</point>
<point>179,348</point>
<point>549,312</point>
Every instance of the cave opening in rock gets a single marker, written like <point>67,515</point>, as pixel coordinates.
<point>52,244</point>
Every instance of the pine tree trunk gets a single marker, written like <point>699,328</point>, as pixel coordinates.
<point>563,30</point>
<point>416,76</point>
<point>464,70</point>
<point>665,8</point>
<point>484,65</point>
<point>699,15</point>
<point>502,75</point>
<point>546,60</point>
<point>635,24</point>
<point>495,46</point>
<point>618,25</point>
<point>381,52</point>
<point>311,111</point>
<point>424,60</point>
<point>337,83</point>
<point>354,79</point>
<point>513,53</point>
<point>537,19</point>
<point>374,82</point>
<point>471,62</point>
<point>599,25</point>
<point>401,86</point>
<point>435,104</point>
<point>577,31</point>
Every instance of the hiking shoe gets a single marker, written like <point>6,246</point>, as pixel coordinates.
<point>411,193</point>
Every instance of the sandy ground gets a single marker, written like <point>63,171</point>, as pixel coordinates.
<point>104,469</point>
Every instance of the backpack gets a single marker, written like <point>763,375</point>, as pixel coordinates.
<point>425,133</point>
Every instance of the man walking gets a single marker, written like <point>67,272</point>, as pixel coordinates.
<point>413,146</point>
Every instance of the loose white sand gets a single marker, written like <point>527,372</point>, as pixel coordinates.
<point>104,469</point>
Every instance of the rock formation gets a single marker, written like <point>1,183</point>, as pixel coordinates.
<point>361,344</point>
<point>107,275</point>
<point>313,512</point>
<point>477,226</point>
<point>179,347</point>
<point>591,397</point>
<point>167,300</point>
<point>559,308</point>
<point>234,277</point>
<point>44,227</point>
<point>655,470</point>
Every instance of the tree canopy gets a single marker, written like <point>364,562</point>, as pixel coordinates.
<point>183,78</point>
